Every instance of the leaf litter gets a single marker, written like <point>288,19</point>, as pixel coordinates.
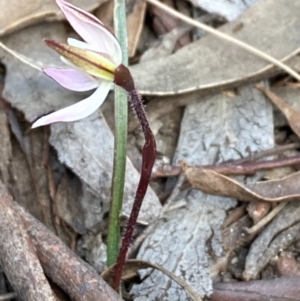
<point>19,14</point>
<point>71,196</point>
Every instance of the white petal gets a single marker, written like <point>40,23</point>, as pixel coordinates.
<point>79,110</point>
<point>92,30</point>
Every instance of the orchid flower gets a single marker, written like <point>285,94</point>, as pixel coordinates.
<point>96,63</point>
<point>93,64</point>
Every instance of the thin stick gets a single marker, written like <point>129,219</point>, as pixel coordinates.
<point>241,166</point>
<point>20,57</point>
<point>226,37</point>
<point>268,152</point>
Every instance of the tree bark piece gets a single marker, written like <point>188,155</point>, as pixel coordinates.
<point>18,257</point>
<point>71,273</point>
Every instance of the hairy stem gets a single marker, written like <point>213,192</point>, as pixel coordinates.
<point>124,78</point>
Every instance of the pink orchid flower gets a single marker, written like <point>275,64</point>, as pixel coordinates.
<point>96,63</point>
<point>92,64</point>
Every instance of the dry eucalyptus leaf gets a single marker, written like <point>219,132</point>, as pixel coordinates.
<point>158,106</point>
<point>292,115</point>
<point>135,23</point>
<point>227,9</point>
<point>266,25</point>
<point>216,129</point>
<point>290,94</point>
<point>208,181</point>
<point>17,14</point>
<point>132,267</point>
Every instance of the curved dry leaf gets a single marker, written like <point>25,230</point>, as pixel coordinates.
<point>194,67</point>
<point>135,22</point>
<point>208,181</point>
<point>292,115</point>
<point>133,265</point>
<point>17,14</point>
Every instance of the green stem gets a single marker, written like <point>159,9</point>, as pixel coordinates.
<point>121,111</point>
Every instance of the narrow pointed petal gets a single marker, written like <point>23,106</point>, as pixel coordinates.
<point>79,110</point>
<point>72,79</point>
<point>91,30</point>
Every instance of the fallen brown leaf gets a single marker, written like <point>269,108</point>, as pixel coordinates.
<point>194,67</point>
<point>208,181</point>
<point>292,115</point>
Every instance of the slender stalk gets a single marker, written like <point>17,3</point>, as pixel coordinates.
<point>121,111</point>
<point>148,159</point>
<point>124,79</point>
<point>226,37</point>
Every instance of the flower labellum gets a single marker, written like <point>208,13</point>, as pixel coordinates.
<point>89,61</point>
<point>93,64</point>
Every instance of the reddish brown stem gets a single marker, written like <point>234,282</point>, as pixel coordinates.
<point>124,79</point>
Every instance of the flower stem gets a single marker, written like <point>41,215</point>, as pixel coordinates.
<point>121,111</point>
<point>148,159</point>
